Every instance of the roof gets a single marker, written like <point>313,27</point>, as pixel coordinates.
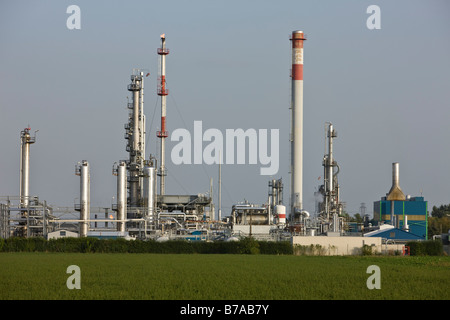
<point>59,231</point>
<point>393,233</point>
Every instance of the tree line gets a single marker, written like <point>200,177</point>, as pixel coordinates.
<point>439,221</point>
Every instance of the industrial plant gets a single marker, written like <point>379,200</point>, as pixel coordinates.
<point>143,210</point>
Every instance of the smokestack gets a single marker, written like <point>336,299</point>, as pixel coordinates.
<point>163,92</point>
<point>396,193</point>
<point>297,122</point>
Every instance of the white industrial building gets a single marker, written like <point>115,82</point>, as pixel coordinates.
<point>62,234</point>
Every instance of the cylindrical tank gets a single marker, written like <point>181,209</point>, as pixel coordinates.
<point>280,212</point>
<point>121,195</point>
<point>257,219</point>
<point>149,189</point>
<point>85,201</point>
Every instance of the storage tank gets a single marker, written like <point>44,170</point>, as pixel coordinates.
<point>280,212</point>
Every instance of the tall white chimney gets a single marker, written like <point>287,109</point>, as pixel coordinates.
<point>297,122</point>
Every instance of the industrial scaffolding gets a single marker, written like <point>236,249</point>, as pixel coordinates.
<point>32,220</point>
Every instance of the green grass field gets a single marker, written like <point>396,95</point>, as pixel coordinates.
<point>221,277</point>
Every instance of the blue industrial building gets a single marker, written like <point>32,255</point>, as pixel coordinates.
<point>407,214</point>
<point>413,211</point>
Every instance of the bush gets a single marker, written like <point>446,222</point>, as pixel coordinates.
<point>275,247</point>
<point>92,245</point>
<point>425,248</point>
<point>15,244</point>
<point>247,246</point>
<point>415,248</point>
<point>433,248</point>
<point>367,250</point>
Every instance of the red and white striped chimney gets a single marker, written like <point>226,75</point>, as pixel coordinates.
<point>297,122</point>
<point>163,92</point>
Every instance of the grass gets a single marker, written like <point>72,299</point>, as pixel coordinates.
<point>221,277</point>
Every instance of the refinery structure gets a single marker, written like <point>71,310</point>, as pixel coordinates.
<point>143,210</point>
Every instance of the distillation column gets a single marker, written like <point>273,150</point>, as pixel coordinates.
<point>136,135</point>
<point>83,171</point>
<point>121,172</point>
<point>150,190</point>
<point>25,141</point>
<point>297,122</point>
<point>163,92</point>
<point>331,204</point>
<point>329,164</point>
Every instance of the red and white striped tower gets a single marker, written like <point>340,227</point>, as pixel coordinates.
<point>163,92</point>
<point>297,122</point>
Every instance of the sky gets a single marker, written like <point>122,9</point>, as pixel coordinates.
<point>385,90</point>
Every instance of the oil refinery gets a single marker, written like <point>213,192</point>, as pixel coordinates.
<point>143,209</point>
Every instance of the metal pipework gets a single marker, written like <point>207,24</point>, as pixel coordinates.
<point>330,190</point>
<point>297,122</point>
<point>329,175</point>
<point>142,132</point>
<point>219,212</point>
<point>25,141</point>
<point>85,196</point>
<point>136,107</point>
<point>330,164</point>
<point>275,197</point>
<point>142,118</point>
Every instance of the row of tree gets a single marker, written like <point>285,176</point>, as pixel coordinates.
<point>441,212</point>
<point>439,222</point>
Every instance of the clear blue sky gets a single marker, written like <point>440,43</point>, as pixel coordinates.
<point>386,91</point>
